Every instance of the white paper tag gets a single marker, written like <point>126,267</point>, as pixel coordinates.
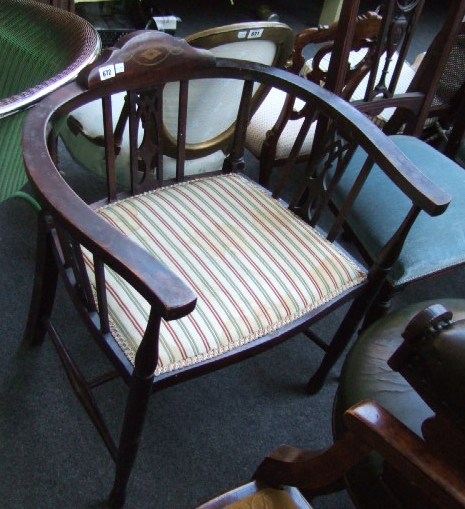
<point>255,34</point>
<point>107,72</point>
<point>242,34</point>
<point>166,22</point>
<point>119,68</point>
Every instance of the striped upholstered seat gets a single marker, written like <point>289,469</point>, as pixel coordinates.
<point>240,250</point>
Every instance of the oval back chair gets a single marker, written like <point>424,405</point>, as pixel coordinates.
<point>210,138</point>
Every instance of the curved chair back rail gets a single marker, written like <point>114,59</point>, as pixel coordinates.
<point>181,276</point>
<point>41,49</point>
<point>265,42</point>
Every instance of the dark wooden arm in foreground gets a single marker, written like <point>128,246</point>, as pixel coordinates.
<point>370,428</point>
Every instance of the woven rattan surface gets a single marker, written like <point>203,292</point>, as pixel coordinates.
<point>453,77</point>
<point>54,43</point>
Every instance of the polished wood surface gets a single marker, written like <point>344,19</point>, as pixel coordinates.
<point>421,474</point>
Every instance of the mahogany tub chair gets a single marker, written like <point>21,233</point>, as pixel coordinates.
<point>358,57</point>
<point>399,423</point>
<point>181,275</point>
<point>41,48</point>
<point>411,363</point>
<point>265,42</point>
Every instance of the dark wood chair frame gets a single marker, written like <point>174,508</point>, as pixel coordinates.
<point>67,224</point>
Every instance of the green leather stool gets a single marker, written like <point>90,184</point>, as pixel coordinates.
<point>366,375</point>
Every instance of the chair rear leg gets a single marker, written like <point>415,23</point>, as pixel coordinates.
<point>341,339</point>
<point>380,307</point>
<point>44,286</point>
<point>267,159</point>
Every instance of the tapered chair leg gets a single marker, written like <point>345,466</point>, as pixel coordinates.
<point>341,339</point>
<point>380,307</point>
<point>267,159</point>
<point>44,287</point>
<point>133,424</point>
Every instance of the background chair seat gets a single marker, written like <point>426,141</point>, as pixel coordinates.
<point>255,496</point>
<point>265,118</point>
<point>432,245</point>
<point>83,134</point>
<point>367,375</point>
<point>267,115</point>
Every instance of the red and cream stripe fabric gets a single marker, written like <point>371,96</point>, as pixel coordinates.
<point>253,264</point>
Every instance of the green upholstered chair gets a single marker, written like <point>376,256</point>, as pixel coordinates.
<point>41,48</point>
<point>182,276</point>
<point>432,247</point>
<point>426,380</point>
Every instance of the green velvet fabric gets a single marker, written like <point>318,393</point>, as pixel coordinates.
<point>434,243</point>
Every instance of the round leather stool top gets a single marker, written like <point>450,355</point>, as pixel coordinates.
<point>366,375</point>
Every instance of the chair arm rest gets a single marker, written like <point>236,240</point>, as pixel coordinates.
<point>407,453</point>
<point>370,428</point>
<point>311,471</point>
<point>422,191</point>
<point>411,101</point>
<point>163,290</point>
